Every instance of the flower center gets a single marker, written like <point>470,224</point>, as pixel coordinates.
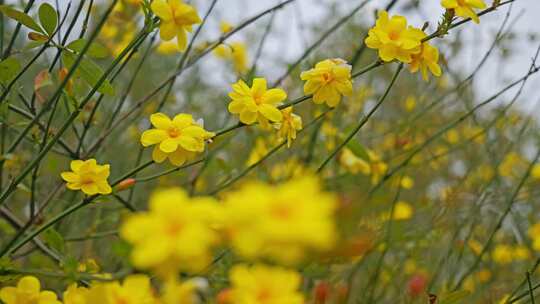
<point>174,229</point>
<point>174,132</point>
<point>327,77</point>
<point>86,180</point>
<point>264,295</point>
<point>282,212</point>
<point>393,35</point>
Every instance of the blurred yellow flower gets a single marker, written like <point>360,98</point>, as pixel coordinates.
<point>465,8</point>
<point>256,103</point>
<point>179,139</point>
<point>76,295</point>
<point>261,284</point>
<point>394,39</point>
<point>427,59</point>
<point>280,222</point>
<point>88,176</point>
<point>175,234</point>
<point>177,18</point>
<point>27,291</point>
<point>236,52</point>
<point>288,126</point>
<point>258,152</point>
<point>225,27</point>
<point>521,252</point>
<point>135,289</point>
<point>328,81</point>
<point>534,234</point>
<point>176,292</point>
<point>410,103</point>
<point>353,163</point>
<point>502,254</point>
<point>407,182</point>
<point>402,211</point>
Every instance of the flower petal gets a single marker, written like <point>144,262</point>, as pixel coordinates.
<point>168,145</point>
<point>153,136</point>
<point>270,112</point>
<point>162,9</point>
<point>160,121</point>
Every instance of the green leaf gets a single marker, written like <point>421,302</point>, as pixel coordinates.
<point>34,44</point>
<point>48,18</point>
<point>358,149</point>
<point>96,50</point>
<point>54,239</point>
<point>90,72</point>
<point>454,297</point>
<point>9,68</point>
<point>21,17</point>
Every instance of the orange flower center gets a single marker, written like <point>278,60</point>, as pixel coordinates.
<point>327,77</point>
<point>282,212</point>
<point>174,229</point>
<point>258,99</point>
<point>264,295</point>
<point>393,35</point>
<point>86,180</point>
<point>174,132</point>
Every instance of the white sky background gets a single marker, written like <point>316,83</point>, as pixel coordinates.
<point>287,40</point>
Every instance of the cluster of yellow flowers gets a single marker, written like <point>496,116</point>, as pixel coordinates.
<point>260,222</point>
<point>257,221</point>
<point>396,41</point>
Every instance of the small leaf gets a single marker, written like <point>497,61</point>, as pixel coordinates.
<point>48,18</point>
<point>96,50</point>
<point>358,149</point>
<point>454,297</point>
<point>9,68</point>
<point>54,239</point>
<point>37,37</point>
<point>21,17</point>
<point>90,72</point>
<point>34,44</point>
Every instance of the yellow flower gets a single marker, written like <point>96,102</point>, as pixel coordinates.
<point>176,292</point>
<point>256,103</point>
<point>465,8</point>
<point>407,182</point>
<point>394,39</point>
<point>427,59</point>
<point>177,18</point>
<point>225,27</point>
<point>402,211</point>
<point>28,291</point>
<point>88,176</point>
<point>521,252</point>
<point>353,163</point>
<point>261,284</point>
<point>281,222</point>
<point>410,103</point>
<point>237,53</point>
<point>502,254</point>
<point>76,295</point>
<point>136,289</point>
<point>179,139</point>
<point>328,81</point>
<point>259,151</point>
<point>174,234</point>
<point>288,126</point>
